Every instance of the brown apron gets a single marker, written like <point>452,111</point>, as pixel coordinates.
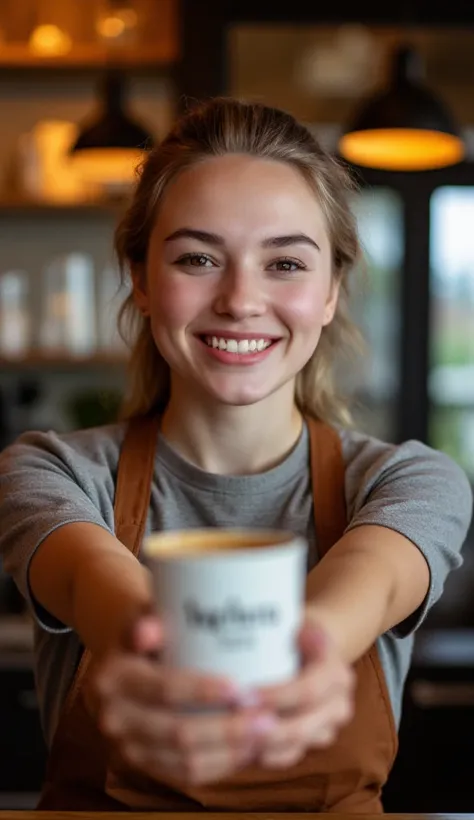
<point>347,777</point>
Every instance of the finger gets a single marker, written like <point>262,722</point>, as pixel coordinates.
<point>216,765</point>
<point>143,634</point>
<point>165,729</point>
<point>313,642</point>
<point>310,728</point>
<point>196,769</point>
<point>282,757</point>
<point>147,635</point>
<point>124,720</point>
<point>314,650</point>
<point>187,688</point>
<point>137,678</point>
<point>322,671</point>
<point>152,761</point>
<point>311,687</point>
<point>220,731</point>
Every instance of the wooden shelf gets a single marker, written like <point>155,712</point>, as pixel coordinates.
<point>149,59</point>
<point>18,204</point>
<point>155,47</point>
<point>41,361</point>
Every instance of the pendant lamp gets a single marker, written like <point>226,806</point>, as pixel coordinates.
<point>109,148</point>
<point>404,128</point>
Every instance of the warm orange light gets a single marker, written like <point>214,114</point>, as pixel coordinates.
<point>50,41</point>
<point>110,27</point>
<point>107,166</point>
<point>401,149</point>
<point>113,25</point>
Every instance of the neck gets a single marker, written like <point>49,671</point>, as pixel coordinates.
<point>231,440</point>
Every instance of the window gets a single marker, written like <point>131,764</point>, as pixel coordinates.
<point>451,377</point>
<point>375,307</point>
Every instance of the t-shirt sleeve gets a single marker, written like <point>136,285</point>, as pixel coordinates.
<point>47,481</point>
<point>416,491</point>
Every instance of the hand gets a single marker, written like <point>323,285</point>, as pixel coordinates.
<point>140,707</point>
<point>311,708</point>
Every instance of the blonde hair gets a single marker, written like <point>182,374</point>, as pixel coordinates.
<point>212,129</point>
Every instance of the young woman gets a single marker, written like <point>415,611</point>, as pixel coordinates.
<point>240,245</point>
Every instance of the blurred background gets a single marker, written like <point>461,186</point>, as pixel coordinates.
<point>85,87</point>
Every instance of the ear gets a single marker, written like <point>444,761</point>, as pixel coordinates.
<point>331,302</point>
<point>140,290</point>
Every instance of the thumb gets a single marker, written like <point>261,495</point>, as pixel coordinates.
<point>313,641</point>
<point>145,635</point>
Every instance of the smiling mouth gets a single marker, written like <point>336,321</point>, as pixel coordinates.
<point>239,346</point>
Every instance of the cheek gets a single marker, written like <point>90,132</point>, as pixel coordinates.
<point>175,302</point>
<point>303,306</point>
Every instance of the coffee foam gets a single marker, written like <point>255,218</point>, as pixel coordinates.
<point>179,543</point>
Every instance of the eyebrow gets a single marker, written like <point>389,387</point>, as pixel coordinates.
<point>214,239</point>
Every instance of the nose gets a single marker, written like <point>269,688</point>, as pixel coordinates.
<point>240,294</point>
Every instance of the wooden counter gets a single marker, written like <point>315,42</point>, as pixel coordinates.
<point>86,815</point>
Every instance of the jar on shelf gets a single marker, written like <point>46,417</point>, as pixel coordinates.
<point>68,323</point>
<point>15,323</point>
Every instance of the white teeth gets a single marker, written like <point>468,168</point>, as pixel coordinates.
<point>238,345</point>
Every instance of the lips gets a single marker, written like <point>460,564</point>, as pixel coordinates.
<point>238,348</point>
<point>242,346</point>
<point>239,335</point>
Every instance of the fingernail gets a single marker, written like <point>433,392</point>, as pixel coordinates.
<point>148,633</point>
<point>248,699</point>
<point>263,724</point>
<point>318,637</point>
<point>226,690</point>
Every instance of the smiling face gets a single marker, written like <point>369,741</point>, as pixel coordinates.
<point>238,282</point>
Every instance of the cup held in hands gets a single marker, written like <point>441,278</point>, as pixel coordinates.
<point>231,601</point>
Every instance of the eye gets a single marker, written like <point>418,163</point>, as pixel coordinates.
<point>195,260</point>
<point>287,265</point>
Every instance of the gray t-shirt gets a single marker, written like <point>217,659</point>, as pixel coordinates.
<point>48,480</point>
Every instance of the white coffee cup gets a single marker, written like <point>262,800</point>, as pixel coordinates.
<point>231,601</point>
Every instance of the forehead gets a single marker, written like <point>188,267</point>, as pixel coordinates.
<point>237,189</point>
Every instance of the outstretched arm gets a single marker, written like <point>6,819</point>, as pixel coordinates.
<point>370,581</point>
<point>89,581</point>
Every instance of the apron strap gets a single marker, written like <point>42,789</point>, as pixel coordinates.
<point>134,480</point>
<point>328,483</point>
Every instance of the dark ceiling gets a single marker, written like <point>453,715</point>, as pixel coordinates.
<point>422,12</point>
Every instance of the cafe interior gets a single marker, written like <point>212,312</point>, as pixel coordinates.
<point>85,87</point>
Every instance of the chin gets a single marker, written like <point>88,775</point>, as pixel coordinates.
<point>239,399</point>
<point>242,395</point>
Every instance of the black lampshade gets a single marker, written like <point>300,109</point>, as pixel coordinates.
<point>405,127</point>
<point>110,146</point>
